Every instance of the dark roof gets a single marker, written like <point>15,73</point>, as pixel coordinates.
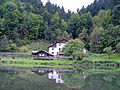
<point>41,73</point>
<point>61,41</point>
<point>42,51</point>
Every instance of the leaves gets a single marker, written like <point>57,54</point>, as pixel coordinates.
<point>73,46</point>
<point>27,20</point>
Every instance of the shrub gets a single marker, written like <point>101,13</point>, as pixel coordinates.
<point>109,51</point>
<point>118,47</point>
<point>72,46</point>
<point>80,55</point>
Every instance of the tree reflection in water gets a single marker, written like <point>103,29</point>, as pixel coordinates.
<point>74,79</point>
<point>92,81</point>
<point>59,80</point>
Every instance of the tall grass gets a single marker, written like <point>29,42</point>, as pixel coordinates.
<point>102,57</point>
<point>34,46</point>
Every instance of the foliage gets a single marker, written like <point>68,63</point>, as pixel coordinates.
<point>116,15</point>
<point>79,55</point>
<point>13,48</point>
<point>74,80</point>
<point>34,46</point>
<point>73,26</point>
<point>73,46</point>
<point>95,7</point>
<point>118,48</point>
<point>109,51</point>
<point>97,40</point>
<point>23,21</point>
<point>4,44</point>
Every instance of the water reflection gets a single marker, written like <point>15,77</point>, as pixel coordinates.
<point>54,79</point>
<point>75,79</point>
<point>57,76</point>
<point>72,79</point>
<point>86,80</point>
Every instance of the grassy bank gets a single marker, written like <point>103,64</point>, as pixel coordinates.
<point>103,57</point>
<point>94,61</point>
<point>59,63</point>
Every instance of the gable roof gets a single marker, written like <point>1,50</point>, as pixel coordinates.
<point>42,51</point>
<point>61,41</point>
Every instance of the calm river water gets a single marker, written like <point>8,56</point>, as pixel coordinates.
<point>54,79</point>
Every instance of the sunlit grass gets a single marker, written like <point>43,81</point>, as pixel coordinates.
<point>59,63</point>
<point>103,57</point>
<point>113,57</point>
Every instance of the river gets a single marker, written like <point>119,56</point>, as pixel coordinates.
<point>16,78</point>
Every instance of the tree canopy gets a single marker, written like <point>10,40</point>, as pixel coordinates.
<point>25,21</point>
<point>73,46</point>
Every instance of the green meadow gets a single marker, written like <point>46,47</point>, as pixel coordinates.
<point>103,57</point>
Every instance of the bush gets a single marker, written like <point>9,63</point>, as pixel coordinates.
<point>72,46</point>
<point>109,51</point>
<point>13,48</point>
<point>118,48</point>
<point>78,55</point>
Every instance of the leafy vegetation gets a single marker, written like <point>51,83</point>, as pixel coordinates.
<point>34,46</point>
<point>73,45</point>
<point>118,48</point>
<point>109,51</point>
<point>23,22</point>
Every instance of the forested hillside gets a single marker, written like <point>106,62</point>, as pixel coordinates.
<point>25,21</point>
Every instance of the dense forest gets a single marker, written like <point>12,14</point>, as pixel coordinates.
<point>25,21</point>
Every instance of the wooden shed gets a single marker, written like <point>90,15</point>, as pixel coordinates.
<point>42,55</point>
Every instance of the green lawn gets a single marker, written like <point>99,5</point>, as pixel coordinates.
<point>101,57</point>
<point>92,62</point>
<point>59,63</point>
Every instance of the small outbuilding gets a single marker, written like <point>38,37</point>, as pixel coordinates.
<point>42,55</point>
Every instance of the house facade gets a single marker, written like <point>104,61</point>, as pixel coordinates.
<point>42,55</point>
<point>56,49</point>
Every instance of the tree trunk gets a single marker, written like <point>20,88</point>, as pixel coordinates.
<point>109,56</point>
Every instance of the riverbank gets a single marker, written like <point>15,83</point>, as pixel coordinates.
<point>61,63</point>
<point>58,63</point>
<point>103,57</point>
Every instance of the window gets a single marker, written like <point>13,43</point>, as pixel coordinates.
<point>58,81</point>
<point>52,52</point>
<point>59,49</point>
<point>43,54</point>
<point>59,76</point>
<point>52,48</point>
<point>52,77</point>
<point>39,55</point>
<point>59,44</point>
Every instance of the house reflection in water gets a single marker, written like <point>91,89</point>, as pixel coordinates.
<point>41,72</point>
<point>57,76</point>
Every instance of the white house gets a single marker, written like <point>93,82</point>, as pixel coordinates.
<point>55,76</point>
<point>55,49</point>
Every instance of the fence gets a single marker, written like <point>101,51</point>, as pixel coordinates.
<point>16,55</point>
<point>44,58</point>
